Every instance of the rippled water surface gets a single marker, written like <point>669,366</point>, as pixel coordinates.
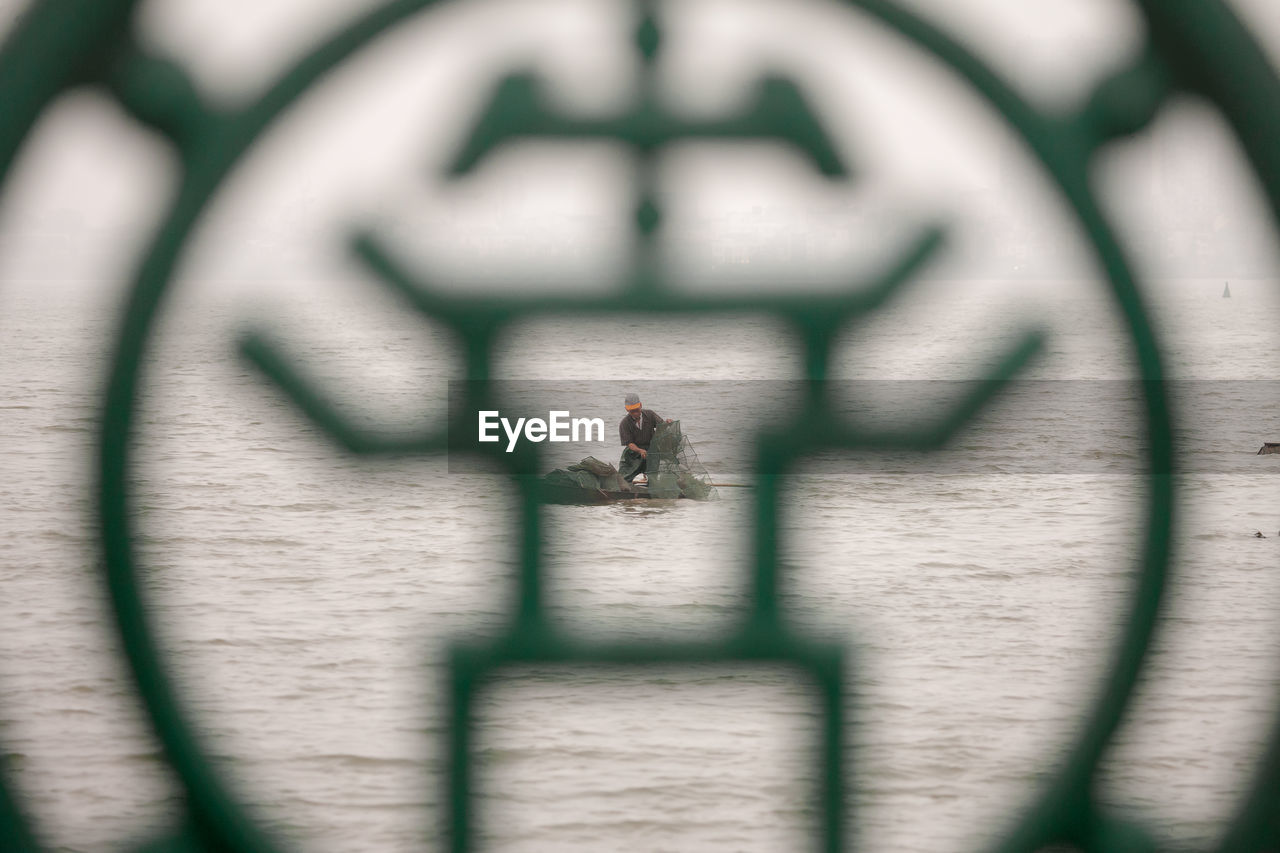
<point>306,598</point>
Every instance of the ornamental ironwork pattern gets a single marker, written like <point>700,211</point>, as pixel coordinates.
<point>1191,46</point>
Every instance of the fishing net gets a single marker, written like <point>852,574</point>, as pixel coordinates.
<point>590,474</point>
<point>674,469</point>
<point>606,475</point>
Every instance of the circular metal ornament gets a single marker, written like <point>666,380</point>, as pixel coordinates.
<point>1194,45</point>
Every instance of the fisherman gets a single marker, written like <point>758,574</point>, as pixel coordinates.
<point>636,431</point>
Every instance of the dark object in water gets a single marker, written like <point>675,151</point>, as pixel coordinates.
<point>673,467</point>
<point>1269,447</point>
<point>588,481</point>
<point>1258,535</point>
<point>557,493</point>
<point>673,472</point>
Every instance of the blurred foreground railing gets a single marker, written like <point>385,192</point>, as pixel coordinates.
<point>1192,46</point>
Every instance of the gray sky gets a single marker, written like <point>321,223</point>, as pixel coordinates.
<point>365,150</point>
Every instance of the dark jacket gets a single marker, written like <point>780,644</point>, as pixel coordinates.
<point>639,435</point>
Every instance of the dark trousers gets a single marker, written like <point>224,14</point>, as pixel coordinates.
<point>631,464</point>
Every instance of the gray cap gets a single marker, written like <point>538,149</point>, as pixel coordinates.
<point>631,400</point>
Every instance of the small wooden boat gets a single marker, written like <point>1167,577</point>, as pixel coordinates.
<point>576,496</point>
<point>1269,447</point>
<point>673,472</point>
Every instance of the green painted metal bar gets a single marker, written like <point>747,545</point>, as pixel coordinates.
<point>1066,153</point>
<point>160,94</point>
<point>499,309</point>
<point>1194,45</point>
<point>258,349</point>
<point>779,112</point>
<point>52,45</point>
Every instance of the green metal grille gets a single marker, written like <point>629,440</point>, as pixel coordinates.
<point>1192,46</point>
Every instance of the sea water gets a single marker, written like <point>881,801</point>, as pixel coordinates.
<point>306,598</point>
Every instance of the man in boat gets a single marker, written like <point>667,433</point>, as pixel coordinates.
<point>636,431</point>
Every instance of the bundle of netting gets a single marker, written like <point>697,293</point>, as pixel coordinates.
<point>591,474</point>
<point>673,468</point>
